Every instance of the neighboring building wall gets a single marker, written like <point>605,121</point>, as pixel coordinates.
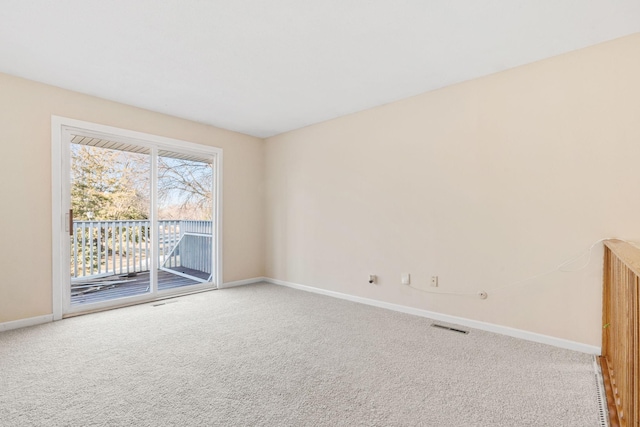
<point>482,183</point>
<point>25,186</point>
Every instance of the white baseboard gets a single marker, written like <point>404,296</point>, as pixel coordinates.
<point>32,321</point>
<point>23,323</point>
<point>242,282</point>
<point>490,327</point>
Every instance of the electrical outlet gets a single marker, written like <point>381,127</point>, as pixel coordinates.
<point>434,281</point>
<point>405,279</point>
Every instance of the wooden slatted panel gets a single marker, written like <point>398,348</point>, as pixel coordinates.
<point>634,400</point>
<point>621,333</point>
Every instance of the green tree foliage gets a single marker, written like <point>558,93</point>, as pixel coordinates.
<point>108,184</point>
<point>114,185</point>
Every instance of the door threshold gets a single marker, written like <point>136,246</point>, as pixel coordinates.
<point>131,304</point>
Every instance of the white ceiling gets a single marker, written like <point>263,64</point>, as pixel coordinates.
<point>265,67</point>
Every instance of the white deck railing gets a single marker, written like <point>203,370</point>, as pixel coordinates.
<point>122,247</point>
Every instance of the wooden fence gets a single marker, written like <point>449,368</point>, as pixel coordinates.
<point>621,332</point>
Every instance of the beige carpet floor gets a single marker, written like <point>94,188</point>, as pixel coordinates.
<point>264,355</point>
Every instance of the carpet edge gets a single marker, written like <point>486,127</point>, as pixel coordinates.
<point>476,324</point>
<point>23,323</point>
<point>242,282</point>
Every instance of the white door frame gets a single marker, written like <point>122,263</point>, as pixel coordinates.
<point>60,189</point>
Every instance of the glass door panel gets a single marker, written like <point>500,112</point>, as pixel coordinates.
<point>110,234</point>
<point>185,220</point>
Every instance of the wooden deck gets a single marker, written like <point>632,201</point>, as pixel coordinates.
<point>113,287</point>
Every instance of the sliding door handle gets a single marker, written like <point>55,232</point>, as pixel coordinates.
<point>69,225</point>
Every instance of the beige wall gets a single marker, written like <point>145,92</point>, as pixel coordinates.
<point>482,183</point>
<point>25,186</point>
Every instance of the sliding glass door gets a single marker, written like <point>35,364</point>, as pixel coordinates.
<point>140,219</point>
<point>110,241</point>
<point>185,222</point>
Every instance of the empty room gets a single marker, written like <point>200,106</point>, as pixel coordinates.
<point>336,213</point>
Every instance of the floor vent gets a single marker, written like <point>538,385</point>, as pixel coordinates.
<point>603,412</point>
<point>158,304</point>
<point>448,328</point>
